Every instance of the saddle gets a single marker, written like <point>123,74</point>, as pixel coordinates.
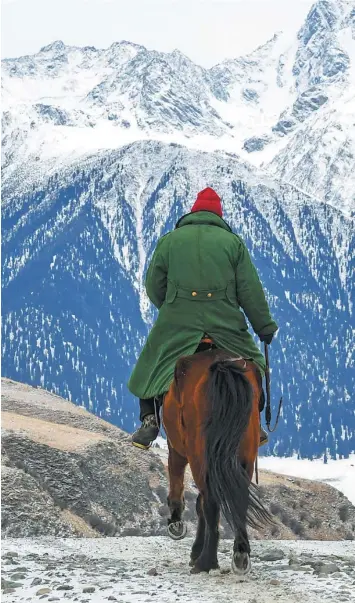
<point>205,344</point>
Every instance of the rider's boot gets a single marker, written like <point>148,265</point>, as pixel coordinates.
<point>147,433</point>
<point>149,430</point>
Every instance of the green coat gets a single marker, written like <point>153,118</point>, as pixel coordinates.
<point>200,276</point>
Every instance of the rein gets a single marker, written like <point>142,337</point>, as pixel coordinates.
<point>268,416</point>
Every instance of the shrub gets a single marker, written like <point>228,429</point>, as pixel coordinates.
<point>285,518</point>
<point>283,489</point>
<point>349,536</point>
<point>59,502</point>
<point>296,527</point>
<point>315,523</point>
<point>104,527</point>
<point>131,532</point>
<point>344,512</point>
<point>275,508</point>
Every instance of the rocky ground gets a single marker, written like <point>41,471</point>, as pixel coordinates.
<point>68,473</point>
<point>65,472</point>
<point>147,570</point>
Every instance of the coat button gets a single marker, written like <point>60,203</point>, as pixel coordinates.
<point>194,294</point>
<point>209,294</point>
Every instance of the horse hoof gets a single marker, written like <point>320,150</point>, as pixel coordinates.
<point>177,530</point>
<point>199,570</point>
<point>195,570</point>
<point>241,564</point>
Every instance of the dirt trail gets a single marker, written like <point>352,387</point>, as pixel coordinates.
<point>144,570</point>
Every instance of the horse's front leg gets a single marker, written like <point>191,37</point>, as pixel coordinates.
<point>176,464</point>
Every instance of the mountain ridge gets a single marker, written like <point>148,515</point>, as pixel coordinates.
<point>271,106</point>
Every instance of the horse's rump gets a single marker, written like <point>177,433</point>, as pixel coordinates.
<point>187,405</point>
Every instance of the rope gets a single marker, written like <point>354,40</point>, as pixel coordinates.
<point>268,416</point>
<point>157,407</point>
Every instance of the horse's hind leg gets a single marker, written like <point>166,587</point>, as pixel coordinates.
<point>241,548</point>
<point>200,534</point>
<point>208,557</point>
<point>176,464</point>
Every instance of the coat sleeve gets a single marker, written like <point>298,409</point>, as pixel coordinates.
<point>157,276</point>
<point>251,296</point>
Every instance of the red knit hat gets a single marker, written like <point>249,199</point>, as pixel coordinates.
<point>208,200</point>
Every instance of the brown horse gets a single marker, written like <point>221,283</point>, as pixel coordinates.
<point>211,418</point>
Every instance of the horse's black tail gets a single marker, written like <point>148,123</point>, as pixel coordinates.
<point>228,484</point>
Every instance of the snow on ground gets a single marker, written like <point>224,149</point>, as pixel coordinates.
<point>143,570</point>
<point>340,473</point>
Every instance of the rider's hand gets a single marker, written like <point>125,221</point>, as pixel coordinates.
<point>266,338</point>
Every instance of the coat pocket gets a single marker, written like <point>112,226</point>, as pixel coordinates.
<point>171,293</point>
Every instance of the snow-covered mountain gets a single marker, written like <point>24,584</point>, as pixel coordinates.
<point>288,106</point>
<point>103,151</point>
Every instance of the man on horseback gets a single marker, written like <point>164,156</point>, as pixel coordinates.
<point>200,279</point>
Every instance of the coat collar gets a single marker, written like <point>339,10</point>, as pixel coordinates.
<point>203,217</point>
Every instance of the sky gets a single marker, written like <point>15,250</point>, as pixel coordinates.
<point>207,31</point>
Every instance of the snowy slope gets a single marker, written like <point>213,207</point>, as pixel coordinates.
<point>340,473</point>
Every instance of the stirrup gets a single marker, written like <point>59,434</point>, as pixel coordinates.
<point>264,438</point>
<point>141,446</point>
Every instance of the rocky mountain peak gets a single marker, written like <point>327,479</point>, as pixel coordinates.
<point>54,48</point>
